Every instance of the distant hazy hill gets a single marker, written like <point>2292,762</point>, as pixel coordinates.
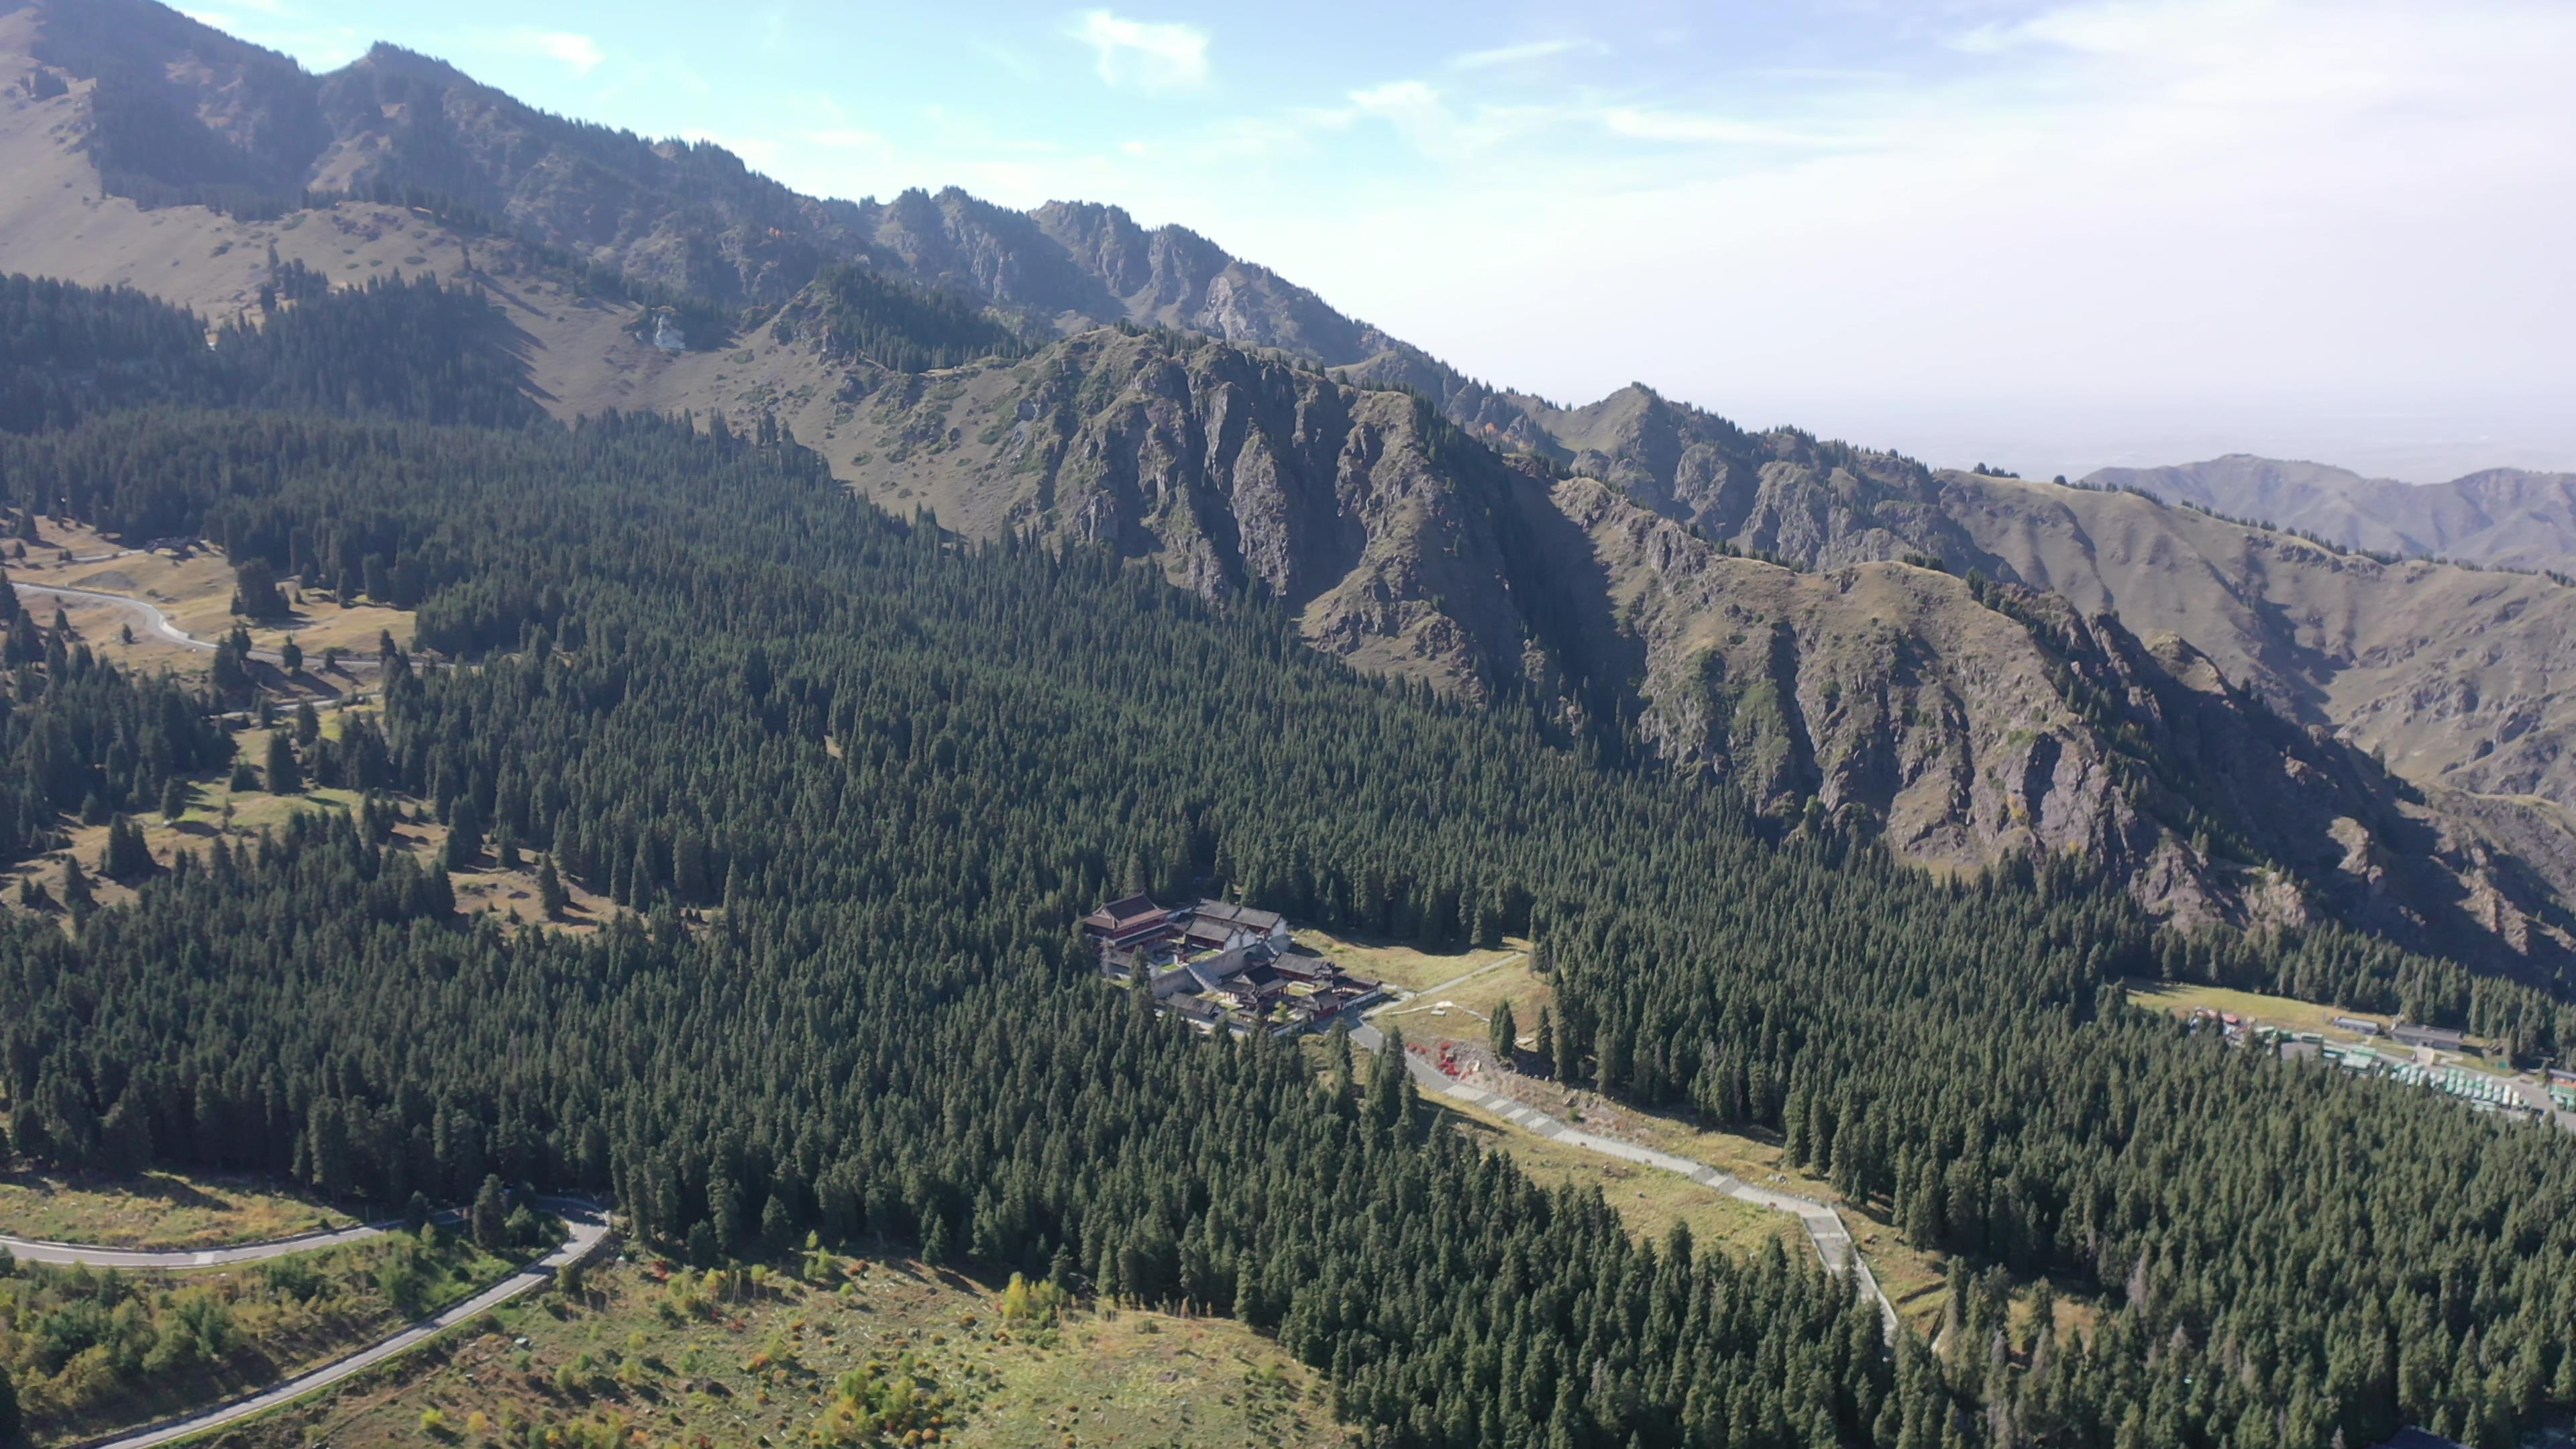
<point>2503,516</point>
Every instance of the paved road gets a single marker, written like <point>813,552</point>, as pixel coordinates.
<point>36,1250</point>
<point>589,1227</point>
<point>152,618</point>
<point>1824,1226</point>
<point>157,622</point>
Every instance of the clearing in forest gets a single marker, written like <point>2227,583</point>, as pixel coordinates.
<point>194,589</point>
<point>155,1210</point>
<point>104,1350</point>
<point>648,1350</point>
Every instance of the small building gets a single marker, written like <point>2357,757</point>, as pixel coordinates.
<point>1241,925</point>
<point>2438,1038</point>
<point>1206,935</point>
<point>1205,1015</point>
<point>2361,1024</point>
<point>1127,925</point>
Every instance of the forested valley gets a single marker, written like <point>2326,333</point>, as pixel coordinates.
<point>854,781</point>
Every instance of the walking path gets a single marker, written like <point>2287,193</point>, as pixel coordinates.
<point>1824,1226</point>
<point>589,1227</point>
<point>1460,978</point>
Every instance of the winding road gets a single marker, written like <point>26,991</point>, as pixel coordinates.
<point>589,1228</point>
<point>37,1250</point>
<point>1824,1226</point>
<point>152,618</point>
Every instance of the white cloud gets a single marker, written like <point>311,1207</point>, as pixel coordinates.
<point>2119,217</point>
<point>1641,124</point>
<point>1422,114</point>
<point>571,48</point>
<point>1523,53</point>
<point>1148,55</point>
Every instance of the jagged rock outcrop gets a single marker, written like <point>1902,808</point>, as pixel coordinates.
<point>1969,721</point>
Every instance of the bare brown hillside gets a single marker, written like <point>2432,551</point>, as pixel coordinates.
<point>2456,676</point>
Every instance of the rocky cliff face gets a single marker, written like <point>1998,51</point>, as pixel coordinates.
<point>1392,538</point>
<point>2456,676</point>
<point>1963,721</point>
<point>1969,721</point>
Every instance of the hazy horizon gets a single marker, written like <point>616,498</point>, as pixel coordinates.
<point>2047,236</point>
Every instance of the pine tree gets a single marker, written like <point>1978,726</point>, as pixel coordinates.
<point>777,1225</point>
<point>126,856</point>
<point>491,1215</point>
<point>284,776</point>
<point>1503,1034</point>
<point>77,896</point>
<point>255,592</point>
<point>12,1423</point>
<point>464,834</point>
<point>1389,1081</point>
<point>125,1136</point>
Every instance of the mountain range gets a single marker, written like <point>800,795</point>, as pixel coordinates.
<point>2505,517</point>
<point>2246,723</point>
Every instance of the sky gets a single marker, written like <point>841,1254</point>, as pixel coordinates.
<point>2040,234</point>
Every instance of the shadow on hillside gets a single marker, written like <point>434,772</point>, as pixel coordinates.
<point>157,1187</point>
